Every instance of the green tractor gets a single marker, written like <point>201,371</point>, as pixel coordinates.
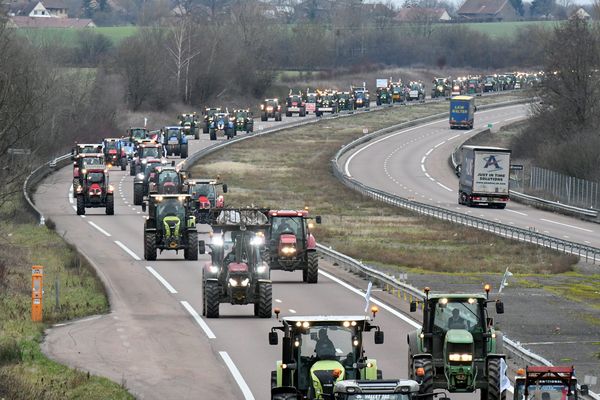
<point>318,352</point>
<point>457,349</point>
<point>189,123</point>
<point>171,225</point>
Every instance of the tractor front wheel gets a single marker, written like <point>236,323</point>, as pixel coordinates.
<point>138,194</point>
<point>132,169</point>
<point>80,205</point>
<point>191,247</point>
<point>110,204</point>
<point>123,164</point>
<point>312,269</point>
<point>493,382</point>
<point>426,385</point>
<point>213,134</point>
<point>183,151</point>
<point>211,299</point>
<point>265,300</point>
<point>196,133</point>
<point>149,246</point>
<point>302,112</point>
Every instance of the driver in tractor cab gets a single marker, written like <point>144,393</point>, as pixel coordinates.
<point>456,321</point>
<point>324,348</point>
<point>284,227</point>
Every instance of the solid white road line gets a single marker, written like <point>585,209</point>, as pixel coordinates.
<point>127,250</point>
<point>374,301</point>
<point>100,229</point>
<point>439,144</point>
<point>567,225</point>
<point>237,376</point>
<point>444,186</point>
<point>517,212</point>
<point>209,333</point>
<point>162,280</point>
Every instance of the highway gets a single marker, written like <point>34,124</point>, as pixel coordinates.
<point>154,340</point>
<point>413,163</point>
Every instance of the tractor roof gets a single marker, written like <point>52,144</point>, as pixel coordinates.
<point>170,196</point>
<point>327,318</point>
<point>112,139</point>
<point>203,181</point>
<point>176,127</point>
<point>150,144</point>
<point>288,213</point>
<point>138,128</point>
<point>90,155</point>
<point>457,296</point>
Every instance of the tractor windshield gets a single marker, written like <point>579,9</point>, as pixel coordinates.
<point>205,189</point>
<point>110,145</point>
<point>89,149</point>
<point>241,115</point>
<point>93,161</point>
<point>149,168</point>
<point>375,396</point>
<point>168,176</point>
<point>293,225</point>
<point>271,103</point>
<point>188,119</point>
<point>95,177</point>
<point>415,86</point>
<point>311,98</point>
<point>170,207</point>
<point>149,152</point>
<point>332,342</point>
<point>457,314</point>
<point>172,132</point>
<point>139,133</point>
<point>544,391</point>
<point>296,99</point>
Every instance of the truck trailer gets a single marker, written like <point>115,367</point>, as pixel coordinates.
<point>462,111</point>
<point>483,176</point>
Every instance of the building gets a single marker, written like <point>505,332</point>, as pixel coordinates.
<point>416,14</point>
<point>581,14</point>
<point>487,11</point>
<point>36,22</point>
<point>39,9</point>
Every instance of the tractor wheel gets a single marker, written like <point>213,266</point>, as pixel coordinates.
<point>211,299</point>
<point>138,194</point>
<point>288,114</point>
<point>204,128</point>
<point>191,247</point>
<point>196,134</point>
<point>312,269</point>
<point>213,134</point>
<point>123,164</point>
<point>427,379</point>
<point>265,300</point>
<point>302,112</point>
<point>379,374</point>
<point>149,246</point>
<point>80,205</point>
<point>250,128</point>
<point>132,169</point>
<point>278,117</point>
<point>110,204</point>
<point>273,379</point>
<point>263,117</point>
<point>184,151</point>
<point>493,382</point>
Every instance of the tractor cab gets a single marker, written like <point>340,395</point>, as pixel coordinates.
<point>311,101</point>
<point>166,180</point>
<point>148,150</point>
<point>189,123</point>
<point>81,148</point>
<point>361,96</point>
<point>94,190</point>
<point>82,162</point>
<point>137,134</point>
<point>205,197</point>
<point>457,342</point>
<point>320,351</point>
<point>114,153</point>
<point>345,101</point>
<point>547,383</point>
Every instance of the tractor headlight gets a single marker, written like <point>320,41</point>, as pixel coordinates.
<point>144,161</point>
<point>233,282</point>
<point>288,250</point>
<point>245,282</point>
<point>140,176</point>
<point>217,240</point>
<point>460,357</point>
<point>213,269</point>
<point>257,240</point>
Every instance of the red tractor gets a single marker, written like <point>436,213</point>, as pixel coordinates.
<point>291,245</point>
<point>95,191</point>
<point>543,382</point>
<point>114,153</point>
<point>295,104</point>
<point>83,161</point>
<point>206,197</point>
<point>144,150</point>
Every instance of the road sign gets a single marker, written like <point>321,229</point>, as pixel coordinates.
<point>22,152</point>
<point>516,167</point>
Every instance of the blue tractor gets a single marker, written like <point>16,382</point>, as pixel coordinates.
<point>175,141</point>
<point>221,122</point>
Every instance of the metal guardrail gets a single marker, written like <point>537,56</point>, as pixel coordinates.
<point>538,201</point>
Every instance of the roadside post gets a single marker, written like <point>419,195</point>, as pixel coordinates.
<point>37,290</point>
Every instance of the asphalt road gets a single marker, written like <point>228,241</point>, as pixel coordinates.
<point>413,163</point>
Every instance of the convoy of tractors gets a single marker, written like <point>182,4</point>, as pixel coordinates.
<point>457,349</point>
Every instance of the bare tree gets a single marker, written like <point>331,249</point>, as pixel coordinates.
<point>182,52</point>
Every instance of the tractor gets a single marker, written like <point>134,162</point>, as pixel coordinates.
<point>175,141</point>
<point>384,96</point>
<point>398,92</point>
<point>129,148</point>
<point>243,121</point>
<point>95,191</point>
<point>137,134</point>
<point>416,91</point>
<point>458,87</point>
<point>171,225</point>
<point>205,197</point>
<point>295,104</point>
<point>207,117</point>
<point>389,389</point>
<point>81,163</point>
<point>237,273</point>
<point>544,382</point>
<point>457,348</point>
<point>167,180</point>
<point>270,108</point>
<point>490,84</point>
<point>311,102</point>
<point>144,150</point>
<point>320,351</point>
<point>291,245</point>
<point>141,182</point>
<point>114,153</point>
<point>474,86</point>
<point>345,101</point>
<point>441,88</point>
<point>221,122</point>
<point>189,123</point>
<point>88,148</point>
<point>361,96</point>
<point>327,102</point>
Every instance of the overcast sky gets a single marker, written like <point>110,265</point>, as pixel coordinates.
<point>398,3</point>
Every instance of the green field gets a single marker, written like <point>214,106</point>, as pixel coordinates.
<point>506,29</point>
<point>68,37</point>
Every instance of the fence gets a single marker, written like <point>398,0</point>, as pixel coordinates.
<point>563,188</point>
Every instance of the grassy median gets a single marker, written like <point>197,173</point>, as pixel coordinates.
<point>291,169</point>
<point>25,373</point>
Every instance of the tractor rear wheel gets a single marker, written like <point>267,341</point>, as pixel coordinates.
<point>149,246</point>
<point>211,299</point>
<point>213,134</point>
<point>312,269</point>
<point>110,204</point>
<point>273,379</point>
<point>265,300</point>
<point>123,164</point>
<point>138,194</point>
<point>493,382</point>
<point>196,133</point>
<point>191,247</point>
<point>132,169</point>
<point>427,379</point>
<point>80,205</point>
<point>183,151</point>
<point>302,112</point>
<point>204,128</point>
<point>263,117</point>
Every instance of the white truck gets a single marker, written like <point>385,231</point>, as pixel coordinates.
<point>484,176</point>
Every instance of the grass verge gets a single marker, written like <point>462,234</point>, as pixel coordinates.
<point>292,169</point>
<point>25,373</point>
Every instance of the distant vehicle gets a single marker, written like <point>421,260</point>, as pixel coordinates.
<point>558,382</point>
<point>311,102</point>
<point>270,108</point>
<point>361,95</point>
<point>441,88</point>
<point>220,122</point>
<point>243,120</point>
<point>207,117</point>
<point>416,91</point>
<point>490,84</point>
<point>327,102</point>
<point>462,110</point>
<point>295,104</point>
<point>484,176</point>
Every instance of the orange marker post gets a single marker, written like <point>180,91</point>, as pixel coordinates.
<point>37,290</point>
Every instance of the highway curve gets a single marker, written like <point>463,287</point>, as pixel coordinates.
<point>413,163</point>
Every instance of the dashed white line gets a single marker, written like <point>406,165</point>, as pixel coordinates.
<point>439,144</point>
<point>567,225</point>
<point>428,153</point>
<point>99,229</point>
<point>162,280</point>
<point>423,167</point>
<point>444,186</point>
<point>278,301</point>
<point>237,376</point>
<point>198,319</point>
<point>127,250</point>
<point>517,212</point>
<point>423,159</point>
<point>453,137</point>
<point>292,311</point>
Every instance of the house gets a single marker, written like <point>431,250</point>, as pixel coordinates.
<point>581,14</point>
<point>39,9</point>
<point>56,8</point>
<point>487,11</point>
<point>36,22</point>
<point>416,14</point>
